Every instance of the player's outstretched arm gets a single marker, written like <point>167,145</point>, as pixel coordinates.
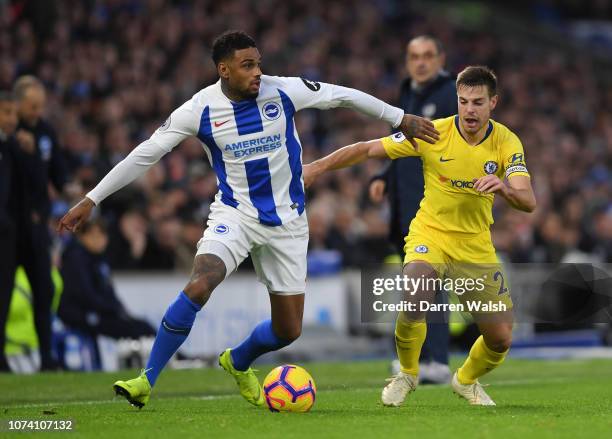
<point>518,192</point>
<point>412,126</point>
<point>342,158</point>
<point>310,94</point>
<point>129,169</point>
<point>76,216</point>
<point>415,127</point>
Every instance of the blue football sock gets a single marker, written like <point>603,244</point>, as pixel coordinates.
<point>262,340</point>
<point>173,331</point>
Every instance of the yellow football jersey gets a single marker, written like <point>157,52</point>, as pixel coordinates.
<point>450,167</point>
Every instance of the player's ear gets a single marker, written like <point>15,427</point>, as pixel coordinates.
<point>223,70</point>
<point>493,101</point>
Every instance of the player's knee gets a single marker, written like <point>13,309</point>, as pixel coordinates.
<point>500,343</point>
<point>208,272</point>
<point>198,290</point>
<point>419,269</point>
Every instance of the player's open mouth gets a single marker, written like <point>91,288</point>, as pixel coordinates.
<point>255,83</point>
<point>470,122</point>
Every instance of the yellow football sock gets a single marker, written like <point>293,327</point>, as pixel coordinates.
<point>481,360</point>
<point>409,338</point>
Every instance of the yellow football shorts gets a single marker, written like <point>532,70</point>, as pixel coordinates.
<point>466,263</point>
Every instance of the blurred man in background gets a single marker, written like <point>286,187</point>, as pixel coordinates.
<point>429,91</point>
<point>39,161</point>
<point>8,146</point>
<point>89,302</point>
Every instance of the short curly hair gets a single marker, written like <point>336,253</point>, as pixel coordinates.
<point>228,42</point>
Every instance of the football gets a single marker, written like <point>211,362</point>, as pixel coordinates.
<point>289,388</point>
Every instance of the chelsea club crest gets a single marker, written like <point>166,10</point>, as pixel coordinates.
<point>490,167</point>
<point>421,249</point>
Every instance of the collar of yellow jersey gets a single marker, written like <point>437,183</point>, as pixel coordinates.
<point>486,136</point>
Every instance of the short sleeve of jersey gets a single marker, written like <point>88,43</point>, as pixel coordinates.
<point>305,93</point>
<point>182,123</point>
<point>513,157</point>
<point>397,146</point>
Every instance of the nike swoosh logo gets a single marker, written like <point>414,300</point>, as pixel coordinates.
<point>218,124</point>
<point>168,328</point>
<point>445,160</point>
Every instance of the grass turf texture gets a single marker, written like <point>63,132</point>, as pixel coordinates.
<point>534,399</point>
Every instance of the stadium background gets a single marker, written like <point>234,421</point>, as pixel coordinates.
<point>114,70</point>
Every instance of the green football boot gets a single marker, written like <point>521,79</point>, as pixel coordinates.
<point>136,391</point>
<point>247,382</point>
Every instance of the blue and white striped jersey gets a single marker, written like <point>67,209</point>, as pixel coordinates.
<point>253,145</point>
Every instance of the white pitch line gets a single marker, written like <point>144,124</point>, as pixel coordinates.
<point>113,401</point>
<point>229,396</point>
<point>62,403</point>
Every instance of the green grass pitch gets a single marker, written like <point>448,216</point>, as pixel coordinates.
<point>537,399</point>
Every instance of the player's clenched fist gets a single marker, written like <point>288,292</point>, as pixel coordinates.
<point>421,128</point>
<point>76,216</point>
<point>489,184</point>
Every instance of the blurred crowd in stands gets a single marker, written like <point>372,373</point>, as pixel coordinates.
<point>115,69</point>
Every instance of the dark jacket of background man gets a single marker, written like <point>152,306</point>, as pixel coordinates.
<point>404,177</point>
<point>41,162</point>
<point>8,240</point>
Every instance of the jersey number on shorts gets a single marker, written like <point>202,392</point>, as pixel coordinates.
<point>502,289</point>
